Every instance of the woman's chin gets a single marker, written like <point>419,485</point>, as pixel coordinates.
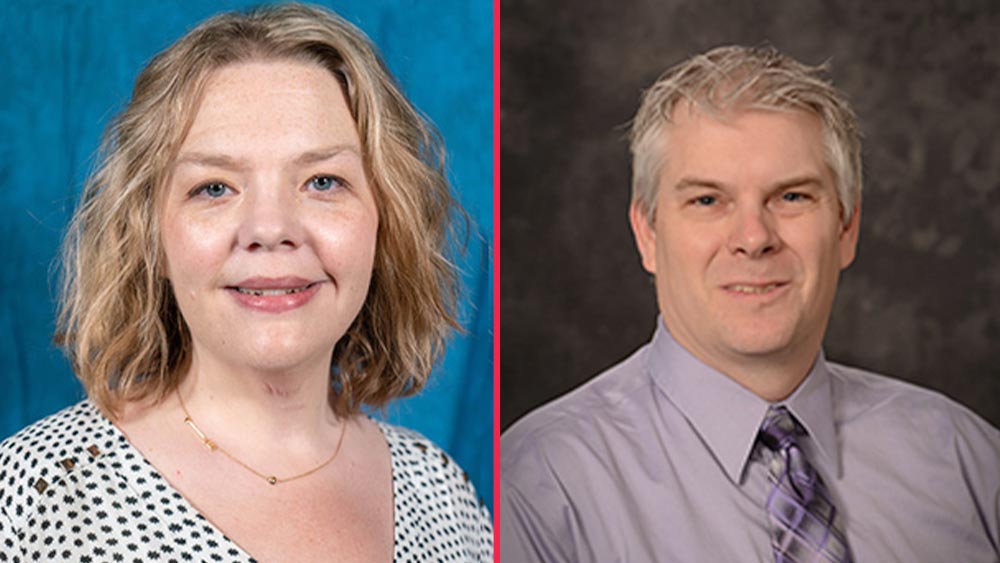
<point>279,355</point>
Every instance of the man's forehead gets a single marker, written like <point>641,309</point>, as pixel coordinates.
<point>701,111</point>
<point>766,146</point>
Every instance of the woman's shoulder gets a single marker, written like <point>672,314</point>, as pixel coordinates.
<point>40,455</point>
<point>66,432</point>
<point>414,445</point>
<point>423,464</point>
<point>436,503</point>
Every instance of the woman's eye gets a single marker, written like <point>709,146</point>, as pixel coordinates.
<point>324,183</point>
<point>213,190</point>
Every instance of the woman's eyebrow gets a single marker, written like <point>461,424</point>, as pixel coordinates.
<point>223,161</point>
<point>227,162</point>
<point>326,153</point>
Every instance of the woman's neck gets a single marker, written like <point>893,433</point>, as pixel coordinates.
<point>289,408</point>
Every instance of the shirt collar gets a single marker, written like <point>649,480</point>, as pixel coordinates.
<point>727,415</point>
<point>812,406</point>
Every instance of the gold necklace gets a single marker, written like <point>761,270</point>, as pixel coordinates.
<point>271,479</point>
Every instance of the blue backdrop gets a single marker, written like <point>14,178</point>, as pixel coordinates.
<point>68,66</point>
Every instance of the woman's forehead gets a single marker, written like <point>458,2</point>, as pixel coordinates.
<point>265,110</point>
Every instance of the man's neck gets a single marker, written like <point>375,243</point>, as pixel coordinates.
<point>772,376</point>
<point>769,381</point>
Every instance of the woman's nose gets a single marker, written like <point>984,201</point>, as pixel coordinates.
<point>270,219</point>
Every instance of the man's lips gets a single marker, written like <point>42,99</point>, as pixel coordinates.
<point>754,287</point>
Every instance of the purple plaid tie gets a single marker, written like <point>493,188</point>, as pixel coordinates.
<point>804,521</point>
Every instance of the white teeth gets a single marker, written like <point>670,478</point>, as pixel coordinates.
<point>262,292</point>
<point>753,289</point>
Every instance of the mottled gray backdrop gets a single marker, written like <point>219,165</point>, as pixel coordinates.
<point>922,300</point>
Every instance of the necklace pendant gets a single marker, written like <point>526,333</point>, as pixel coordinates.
<point>213,447</point>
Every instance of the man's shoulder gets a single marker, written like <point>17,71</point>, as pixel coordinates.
<point>554,459</point>
<point>568,421</point>
<point>865,397</point>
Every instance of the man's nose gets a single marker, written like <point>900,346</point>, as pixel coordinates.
<point>270,219</point>
<point>753,232</point>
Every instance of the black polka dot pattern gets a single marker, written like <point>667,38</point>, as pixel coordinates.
<point>72,488</point>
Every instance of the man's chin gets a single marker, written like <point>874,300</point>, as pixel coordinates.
<point>758,344</point>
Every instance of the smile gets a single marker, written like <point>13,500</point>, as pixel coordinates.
<point>274,295</point>
<point>271,292</point>
<point>756,291</point>
<point>753,289</point>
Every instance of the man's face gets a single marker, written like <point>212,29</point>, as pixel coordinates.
<point>747,241</point>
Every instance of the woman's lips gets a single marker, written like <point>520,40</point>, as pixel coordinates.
<point>277,295</point>
<point>271,292</point>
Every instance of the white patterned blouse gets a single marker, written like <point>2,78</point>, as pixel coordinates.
<point>72,488</point>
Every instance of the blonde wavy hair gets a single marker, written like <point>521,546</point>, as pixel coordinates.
<point>737,78</point>
<point>118,319</point>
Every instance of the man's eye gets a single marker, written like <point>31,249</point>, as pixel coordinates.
<point>213,190</point>
<point>325,183</point>
<point>794,196</point>
<point>705,200</point>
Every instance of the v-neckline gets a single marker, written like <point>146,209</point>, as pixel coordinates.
<point>168,489</point>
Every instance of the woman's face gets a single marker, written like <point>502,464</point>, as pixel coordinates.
<point>268,221</point>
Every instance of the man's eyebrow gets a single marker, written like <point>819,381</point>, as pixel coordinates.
<point>797,181</point>
<point>226,162</point>
<point>688,183</point>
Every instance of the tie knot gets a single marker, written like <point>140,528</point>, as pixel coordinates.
<point>779,430</point>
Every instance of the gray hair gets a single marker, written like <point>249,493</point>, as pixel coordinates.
<point>741,78</point>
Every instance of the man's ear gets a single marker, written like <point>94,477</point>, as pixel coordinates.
<point>645,236</point>
<point>849,238</point>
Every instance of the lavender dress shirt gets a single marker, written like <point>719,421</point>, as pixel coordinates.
<point>655,460</point>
